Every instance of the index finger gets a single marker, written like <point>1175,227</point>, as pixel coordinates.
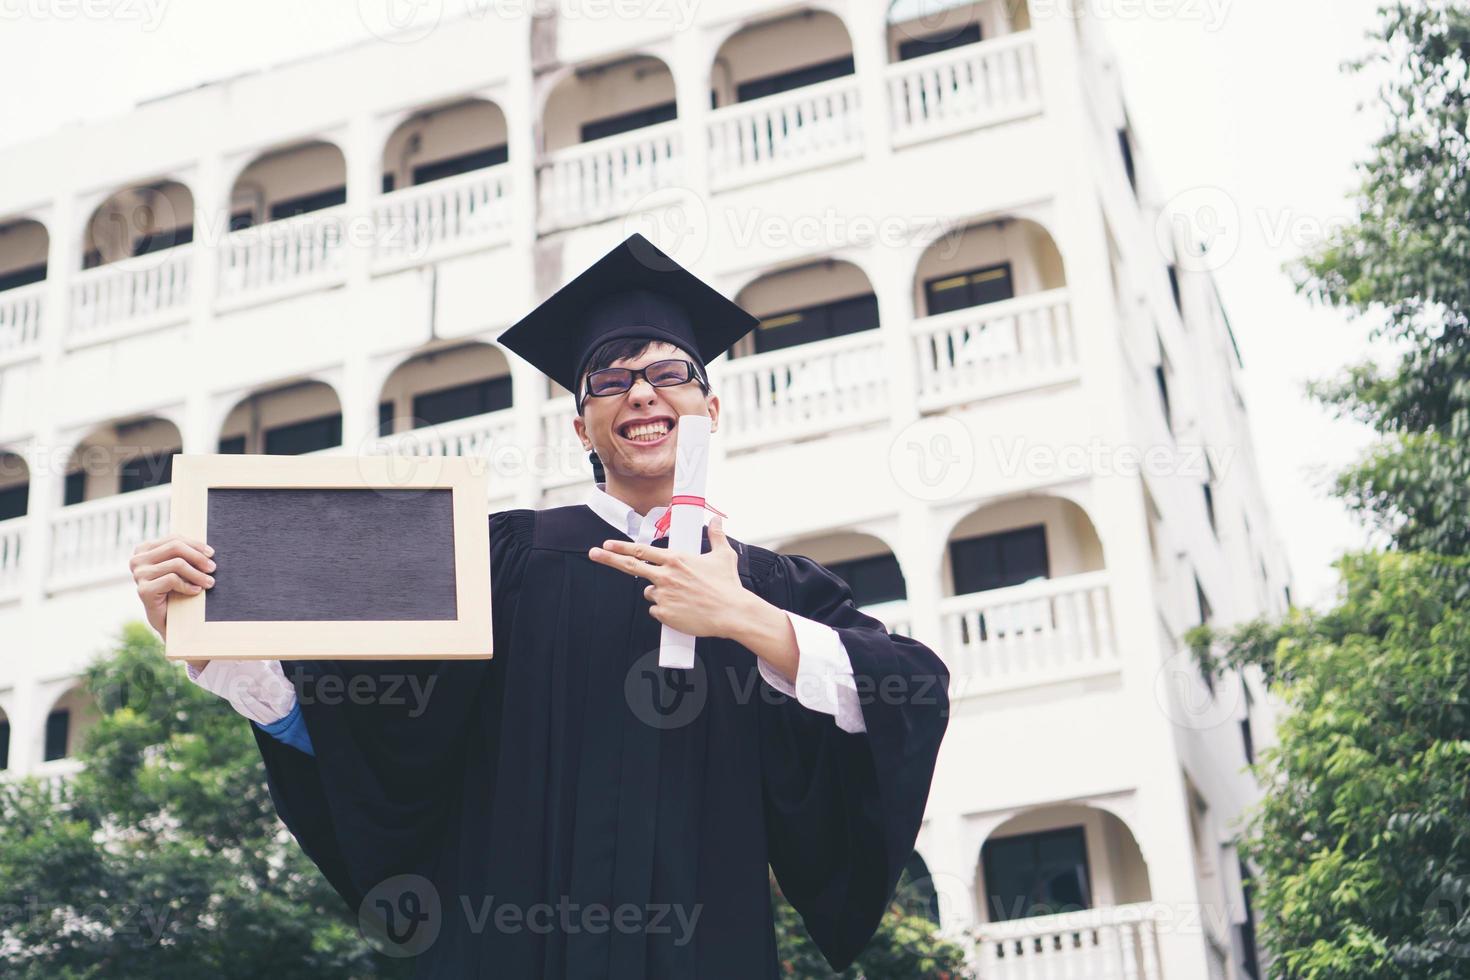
<point>648,553</point>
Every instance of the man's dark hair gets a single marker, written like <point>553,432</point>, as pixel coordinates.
<point>626,347</point>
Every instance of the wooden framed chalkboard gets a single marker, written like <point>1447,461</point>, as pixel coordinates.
<point>334,558</point>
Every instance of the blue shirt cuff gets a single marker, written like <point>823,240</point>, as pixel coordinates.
<point>290,730</point>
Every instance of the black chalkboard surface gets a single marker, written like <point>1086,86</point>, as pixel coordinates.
<point>321,554</point>
<point>334,557</point>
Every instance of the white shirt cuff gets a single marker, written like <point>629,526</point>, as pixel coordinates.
<point>824,680</point>
<point>257,689</point>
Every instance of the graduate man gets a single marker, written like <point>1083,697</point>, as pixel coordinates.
<point>569,809</point>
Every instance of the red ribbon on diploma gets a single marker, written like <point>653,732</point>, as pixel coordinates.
<point>661,526</point>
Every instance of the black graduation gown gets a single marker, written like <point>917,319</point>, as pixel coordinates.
<point>569,809</point>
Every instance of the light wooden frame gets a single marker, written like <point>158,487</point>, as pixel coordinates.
<point>469,637</point>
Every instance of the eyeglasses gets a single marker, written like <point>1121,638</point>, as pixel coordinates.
<point>660,374</point>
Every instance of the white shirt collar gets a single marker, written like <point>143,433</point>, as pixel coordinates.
<point>639,527</point>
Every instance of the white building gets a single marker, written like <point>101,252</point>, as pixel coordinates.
<point>971,338</point>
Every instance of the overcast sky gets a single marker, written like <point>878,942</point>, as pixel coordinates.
<point>1240,98</point>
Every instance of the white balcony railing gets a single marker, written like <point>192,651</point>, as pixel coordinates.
<point>427,222</point>
<point>975,85</point>
<point>778,134</point>
<point>994,348</point>
<point>597,179</point>
<point>92,541</point>
<point>20,320</point>
<point>301,252</point>
<point>1034,633</point>
<point>565,460</point>
<point>12,536</point>
<point>131,294</point>
<point>476,435</point>
<point>1117,942</point>
<point>805,390</point>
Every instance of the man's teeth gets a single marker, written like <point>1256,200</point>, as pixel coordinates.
<point>647,433</point>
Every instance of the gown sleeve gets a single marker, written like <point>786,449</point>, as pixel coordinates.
<point>390,743</point>
<point>843,809</point>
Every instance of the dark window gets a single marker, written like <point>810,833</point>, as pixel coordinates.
<point>4,745</point>
<point>626,121</point>
<point>58,727</point>
<point>1209,490</point>
<point>234,445</point>
<point>147,470</point>
<point>91,258</point>
<point>388,182</point>
<point>1125,146</point>
<point>988,284</point>
<point>450,166</point>
<point>461,401</point>
<point>1205,612</point>
<point>812,323</point>
<point>1249,960</point>
<point>308,202</point>
<point>151,242</point>
<point>241,219</point>
<point>1286,594</point>
<point>1174,288</point>
<point>304,437</point>
<point>875,579</point>
<point>75,489</point>
<point>1248,740</point>
<point>13,501</point>
<point>1161,378</point>
<point>795,78</point>
<point>1036,874</point>
<point>16,278</point>
<point>919,46</point>
<point>994,561</point>
<point>385,418</point>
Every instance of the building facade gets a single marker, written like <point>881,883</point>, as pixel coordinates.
<point>987,389</point>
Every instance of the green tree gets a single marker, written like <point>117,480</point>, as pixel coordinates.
<point>163,857</point>
<point>1363,837</point>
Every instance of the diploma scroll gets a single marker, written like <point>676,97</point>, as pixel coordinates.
<point>686,521</point>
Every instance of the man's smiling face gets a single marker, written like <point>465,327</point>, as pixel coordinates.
<point>633,432</point>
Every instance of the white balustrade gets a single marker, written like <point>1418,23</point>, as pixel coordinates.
<point>135,293</point>
<point>603,177</point>
<point>419,224</point>
<point>1040,631</point>
<point>292,253</point>
<point>974,85</point>
<point>12,536</point>
<point>994,348</point>
<point>1118,942</point>
<point>476,435</point>
<point>20,320</point>
<point>778,134</point>
<point>565,460</point>
<point>804,390</point>
<point>92,541</point>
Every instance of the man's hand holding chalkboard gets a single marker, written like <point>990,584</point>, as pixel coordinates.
<point>171,564</point>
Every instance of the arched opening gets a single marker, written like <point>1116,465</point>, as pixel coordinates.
<point>24,246</point>
<point>66,725</point>
<point>444,141</point>
<point>921,27</point>
<point>777,55</point>
<point>139,220</point>
<point>806,305</point>
<point>15,487</point>
<point>454,400</point>
<point>289,420</point>
<point>609,139</point>
<point>121,457</point>
<point>785,98</point>
<point>869,568</point>
<point>1028,594</point>
<point>993,313</point>
<point>287,182</point>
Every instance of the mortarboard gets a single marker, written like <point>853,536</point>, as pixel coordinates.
<point>635,290</point>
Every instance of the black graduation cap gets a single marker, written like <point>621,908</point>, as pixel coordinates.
<point>635,290</point>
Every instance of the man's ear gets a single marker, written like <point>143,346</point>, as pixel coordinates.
<point>581,428</point>
<point>713,405</point>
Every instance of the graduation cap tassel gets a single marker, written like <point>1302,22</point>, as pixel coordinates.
<point>598,475</point>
